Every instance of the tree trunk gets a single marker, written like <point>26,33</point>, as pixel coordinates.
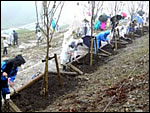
<point>45,77</point>
<point>115,26</point>
<point>91,56</point>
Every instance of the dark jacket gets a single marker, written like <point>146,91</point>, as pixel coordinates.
<point>15,34</point>
<point>11,68</point>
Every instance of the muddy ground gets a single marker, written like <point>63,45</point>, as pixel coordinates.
<point>123,76</point>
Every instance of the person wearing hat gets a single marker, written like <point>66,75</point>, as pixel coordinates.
<point>9,69</point>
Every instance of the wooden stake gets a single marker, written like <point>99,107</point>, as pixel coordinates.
<point>31,82</point>
<point>108,53</point>
<point>80,57</point>
<point>142,29</point>
<point>91,57</point>
<point>115,41</point>
<point>58,72</point>
<point>100,54</point>
<point>75,69</point>
<point>132,35</point>
<point>64,73</point>
<point>13,106</point>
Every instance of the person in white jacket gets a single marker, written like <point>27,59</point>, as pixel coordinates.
<point>69,51</point>
<point>122,31</point>
<point>10,38</point>
<point>39,36</point>
<point>5,45</point>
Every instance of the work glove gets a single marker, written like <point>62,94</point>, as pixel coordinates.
<point>7,96</point>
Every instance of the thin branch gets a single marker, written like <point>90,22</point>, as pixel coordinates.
<point>57,20</point>
<point>98,9</point>
<point>52,8</point>
<point>36,12</point>
<point>48,4</point>
<point>52,14</point>
<point>57,6</point>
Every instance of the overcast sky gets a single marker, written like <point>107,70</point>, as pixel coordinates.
<point>11,9</point>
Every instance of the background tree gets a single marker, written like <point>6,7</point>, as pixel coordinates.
<point>135,6</point>
<point>98,9</point>
<point>115,7</point>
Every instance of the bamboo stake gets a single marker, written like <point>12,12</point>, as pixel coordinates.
<point>105,55</point>
<point>64,73</point>
<point>142,29</point>
<point>75,69</point>
<point>115,42</point>
<point>57,66</point>
<point>91,55</point>
<point>132,35</point>
<point>82,56</point>
<point>105,51</point>
<point>13,106</point>
<point>31,82</point>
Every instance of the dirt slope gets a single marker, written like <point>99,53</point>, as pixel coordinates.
<point>93,91</point>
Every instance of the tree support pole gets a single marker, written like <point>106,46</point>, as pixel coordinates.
<point>58,72</point>
<point>106,52</point>
<point>13,107</point>
<point>75,69</point>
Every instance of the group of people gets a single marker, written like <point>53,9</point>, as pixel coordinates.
<point>74,38</point>
<point>69,47</point>
<point>129,28</point>
<point>54,27</point>
<point>7,41</point>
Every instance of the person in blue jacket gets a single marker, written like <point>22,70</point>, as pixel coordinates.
<point>53,25</point>
<point>102,36</point>
<point>9,69</point>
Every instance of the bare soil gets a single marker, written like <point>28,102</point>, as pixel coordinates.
<point>124,76</point>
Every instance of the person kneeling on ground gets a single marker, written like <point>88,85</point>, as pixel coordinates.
<point>9,69</point>
<point>69,52</point>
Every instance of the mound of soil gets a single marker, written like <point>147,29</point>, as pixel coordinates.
<point>30,99</point>
<point>84,64</point>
